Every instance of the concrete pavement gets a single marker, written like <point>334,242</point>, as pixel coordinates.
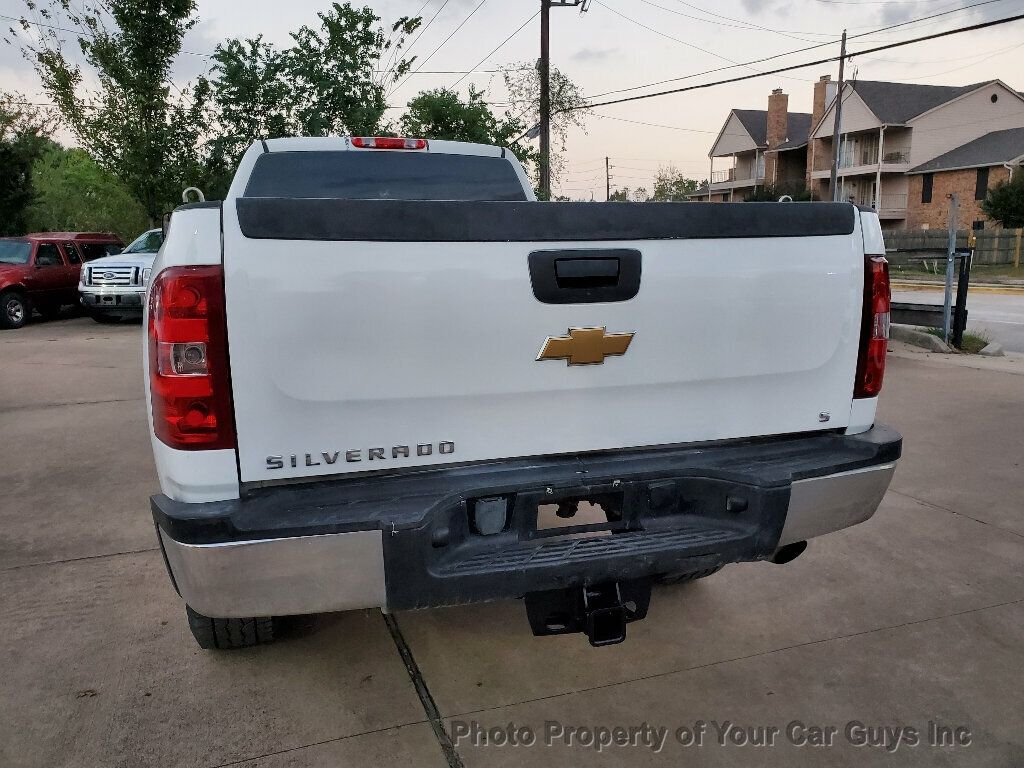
<point>914,617</point>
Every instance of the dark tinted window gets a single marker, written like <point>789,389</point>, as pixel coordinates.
<point>92,251</point>
<point>383,175</point>
<point>926,188</point>
<point>72,254</point>
<point>15,251</point>
<point>48,255</point>
<point>981,187</point>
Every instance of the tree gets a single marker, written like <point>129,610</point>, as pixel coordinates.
<point>330,81</point>
<point>670,185</point>
<point>24,129</point>
<point>627,195</point>
<point>74,193</point>
<point>1004,202</point>
<point>134,122</point>
<point>568,107</point>
<point>442,114</point>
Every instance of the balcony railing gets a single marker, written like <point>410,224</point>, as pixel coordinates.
<point>892,201</point>
<point>868,155</point>
<point>720,176</point>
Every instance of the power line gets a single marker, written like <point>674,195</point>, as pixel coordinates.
<point>738,25</point>
<point>653,125</point>
<point>497,48</point>
<point>795,51</point>
<point>934,36</point>
<point>442,44</point>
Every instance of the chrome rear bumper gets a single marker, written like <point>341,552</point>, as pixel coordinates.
<point>345,571</point>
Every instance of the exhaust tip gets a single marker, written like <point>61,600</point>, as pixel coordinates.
<point>789,553</point>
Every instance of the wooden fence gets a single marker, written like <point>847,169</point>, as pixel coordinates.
<point>991,246</point>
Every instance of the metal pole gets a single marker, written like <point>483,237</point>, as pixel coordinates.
<point>960,316</point>
<point>833,186</point>
<point>954,203</point>
<point>607,180</point>
<point>545,100</point>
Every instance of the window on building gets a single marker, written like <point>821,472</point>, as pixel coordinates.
<point>978,225</point>
<point>926,188</point>
<point>981,188</point>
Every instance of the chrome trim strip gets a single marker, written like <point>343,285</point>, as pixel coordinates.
<point>279,577</point>
<point>821,505</point>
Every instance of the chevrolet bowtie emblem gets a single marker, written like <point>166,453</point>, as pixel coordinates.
<point>585,346</point>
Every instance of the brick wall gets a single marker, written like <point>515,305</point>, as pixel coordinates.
<point>777,128</point>
<point>935,214</point>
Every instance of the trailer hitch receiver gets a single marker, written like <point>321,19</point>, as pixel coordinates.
<point>600,611</point>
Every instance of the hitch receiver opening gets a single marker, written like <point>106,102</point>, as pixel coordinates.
<point>600,611</point>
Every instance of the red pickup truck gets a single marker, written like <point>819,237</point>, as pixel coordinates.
<point>40,271</point>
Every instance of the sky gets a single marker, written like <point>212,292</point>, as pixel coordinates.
<point>619,44</point>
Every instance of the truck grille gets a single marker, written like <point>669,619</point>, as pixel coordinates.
<point>110,276</point>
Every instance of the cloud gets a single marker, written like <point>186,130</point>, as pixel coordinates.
<point>594,54</point>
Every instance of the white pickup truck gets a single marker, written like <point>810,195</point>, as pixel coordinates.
<point>382,375</point>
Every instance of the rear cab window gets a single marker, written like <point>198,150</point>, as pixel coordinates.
<point>91,251</point>
<point>384,175</point>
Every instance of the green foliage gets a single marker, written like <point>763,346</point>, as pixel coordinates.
<point>74,194</point>
<point>568,109</point>
<point>130,122</point>
<point>627,195</point>
<point>442,114</point>
<point>770,193</point>
<point>329,82</point>
<point>670,185</point>
<point>1005,201</point>
<point>23,132</point>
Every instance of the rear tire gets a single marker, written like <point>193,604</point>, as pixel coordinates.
<point>105,319</point>
<point>685,578</point>
<point>14,309</point>
<point>227,634</point>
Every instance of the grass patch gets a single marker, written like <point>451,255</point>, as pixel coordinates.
<point>973,343</point>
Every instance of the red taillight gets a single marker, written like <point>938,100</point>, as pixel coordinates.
<point>387,142</point>
<point>189,380</point>
<point>874,338</point>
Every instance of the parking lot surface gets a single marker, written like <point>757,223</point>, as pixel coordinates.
<point>914,620</point>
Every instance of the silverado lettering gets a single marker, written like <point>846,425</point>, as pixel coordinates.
<point>444,447</point>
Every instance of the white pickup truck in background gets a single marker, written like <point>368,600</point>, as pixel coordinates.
<point>382,375</point>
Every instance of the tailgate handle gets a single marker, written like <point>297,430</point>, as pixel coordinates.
<point>586,273</point>
<point>585,276</point>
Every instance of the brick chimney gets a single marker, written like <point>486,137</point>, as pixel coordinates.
<point>778,118</point>
<point>778,125</point>
<point>824,93</point>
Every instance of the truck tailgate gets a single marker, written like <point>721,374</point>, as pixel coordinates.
<point>419,345</point>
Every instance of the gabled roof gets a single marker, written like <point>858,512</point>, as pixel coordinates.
<point>755,122</point>
<point>896,103</point>
<point>799,128</point>
<point>993,148</point>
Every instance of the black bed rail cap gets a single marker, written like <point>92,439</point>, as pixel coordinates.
<point>272,218</point>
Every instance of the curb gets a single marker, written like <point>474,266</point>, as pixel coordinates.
<point>912,335</point>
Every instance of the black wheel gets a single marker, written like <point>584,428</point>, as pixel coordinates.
<point>14,309</point>
<point>684,578</point>
<point>105,319</point>
<point>225,634</point>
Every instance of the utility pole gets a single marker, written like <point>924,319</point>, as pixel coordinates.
<point>833,183</point>
<point>608,180</point>
<point>544,70</point>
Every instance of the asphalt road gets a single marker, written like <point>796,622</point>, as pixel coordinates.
<point>915,617</point>
<point>999,317</point>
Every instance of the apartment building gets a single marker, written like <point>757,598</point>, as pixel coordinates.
<point>760,146</point>
<point>892,136</point>
<point>902,148</point>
